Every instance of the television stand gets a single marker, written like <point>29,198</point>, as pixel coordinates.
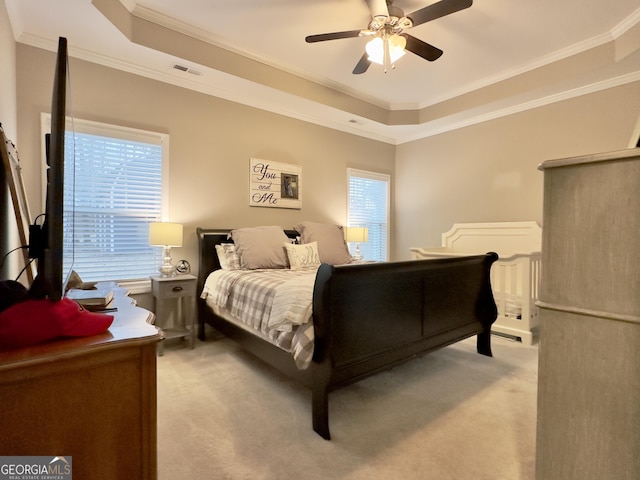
<point>92,398</point>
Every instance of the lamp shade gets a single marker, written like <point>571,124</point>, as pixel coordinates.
<point>165,234</point>
<point>356,234</point>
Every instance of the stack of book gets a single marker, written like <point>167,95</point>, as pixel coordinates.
<point>96,299</point>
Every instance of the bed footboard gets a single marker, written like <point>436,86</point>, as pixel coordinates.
<point>368,318</point>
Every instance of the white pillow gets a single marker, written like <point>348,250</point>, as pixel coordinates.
<point>303,257</point>
<point>227,256</point>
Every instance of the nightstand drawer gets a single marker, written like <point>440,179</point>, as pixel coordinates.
<point>173,288</point>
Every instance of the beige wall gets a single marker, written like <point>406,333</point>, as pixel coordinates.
<point>8,232</point>
<point>488,172</point>
<point>7,75</point>
<point>211,142</point>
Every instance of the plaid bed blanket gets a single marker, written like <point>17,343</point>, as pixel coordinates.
<point>275,302</point>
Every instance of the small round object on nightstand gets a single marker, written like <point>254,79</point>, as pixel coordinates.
<point>183,267</point>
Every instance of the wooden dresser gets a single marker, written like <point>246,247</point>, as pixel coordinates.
<point>589,374</point>
<point>91,398</point>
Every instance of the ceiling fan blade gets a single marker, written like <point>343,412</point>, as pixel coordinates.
<point>378,7</point>
<point>362,65</point>
<point>422,49</point>
<point>437,10</point>
<point>332,36</point>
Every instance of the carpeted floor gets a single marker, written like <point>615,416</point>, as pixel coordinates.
<point>452,414</point>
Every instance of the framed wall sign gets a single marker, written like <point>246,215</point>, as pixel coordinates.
<point>275,185</point>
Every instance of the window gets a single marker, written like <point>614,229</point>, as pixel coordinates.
<point>369,207</point>
<point>113,190</point>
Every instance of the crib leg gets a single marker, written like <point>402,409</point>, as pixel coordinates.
<point>484,343</point>
<point>320,411</point>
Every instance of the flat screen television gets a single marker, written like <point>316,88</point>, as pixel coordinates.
<point>46,241</point>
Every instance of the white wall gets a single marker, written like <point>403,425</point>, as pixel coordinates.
<point>488,172</point>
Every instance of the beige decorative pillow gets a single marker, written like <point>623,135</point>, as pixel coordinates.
<point>227,256</point>
<point>332,247</point>
<point>261,247</point>
<point>303,257</point>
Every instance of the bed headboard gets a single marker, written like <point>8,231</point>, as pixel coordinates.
<point>208,238</point>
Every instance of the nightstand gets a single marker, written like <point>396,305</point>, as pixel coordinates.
<point>178,292</point>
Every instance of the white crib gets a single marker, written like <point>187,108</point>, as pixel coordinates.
<point>514,277</point>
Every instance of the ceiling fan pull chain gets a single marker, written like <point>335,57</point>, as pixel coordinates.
<point>385,44</point>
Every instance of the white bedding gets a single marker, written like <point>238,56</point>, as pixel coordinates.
<point>274,302</point>
<point>292,302</point>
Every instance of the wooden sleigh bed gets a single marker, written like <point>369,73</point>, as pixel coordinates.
<point>368,317</point>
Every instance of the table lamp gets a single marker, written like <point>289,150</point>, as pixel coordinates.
<point>166,235</point>
<point>357,235</point>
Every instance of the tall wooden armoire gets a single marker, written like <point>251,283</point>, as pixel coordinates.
<point>589,372</point>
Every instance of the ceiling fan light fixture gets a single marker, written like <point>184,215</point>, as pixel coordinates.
<point>387,30</point>
<point>386,49</point>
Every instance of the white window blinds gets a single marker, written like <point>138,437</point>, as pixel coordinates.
<point>369,207</point>
<point>113,190</point>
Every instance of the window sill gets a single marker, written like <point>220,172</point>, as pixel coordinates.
<point>135,287</point>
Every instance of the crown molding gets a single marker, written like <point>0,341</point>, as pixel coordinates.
<point>526,105</point>
<point>254,94</point>
<point>171,23</point>
<point>165,21</point>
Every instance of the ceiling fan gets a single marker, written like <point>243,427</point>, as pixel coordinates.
<point>387,27</point>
